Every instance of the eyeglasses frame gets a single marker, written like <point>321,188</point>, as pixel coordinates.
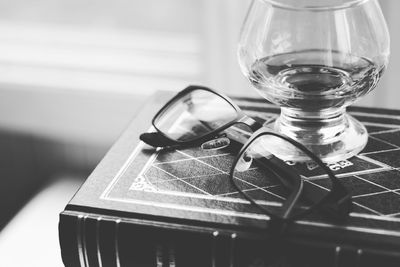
<point>336,204</point>
<point>241,118</point>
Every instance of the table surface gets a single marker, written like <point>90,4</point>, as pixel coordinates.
<point>31,237</point>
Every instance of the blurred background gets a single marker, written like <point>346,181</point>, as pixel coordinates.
<point>74,73</point>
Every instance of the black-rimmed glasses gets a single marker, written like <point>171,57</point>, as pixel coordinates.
<point>194,115</point>
<point>281,190</point>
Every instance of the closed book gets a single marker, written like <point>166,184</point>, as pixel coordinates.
<point>176,207</point>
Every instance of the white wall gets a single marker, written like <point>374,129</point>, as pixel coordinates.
<point>140,46</point>
<point>388,93</point>
<point>53,68</point>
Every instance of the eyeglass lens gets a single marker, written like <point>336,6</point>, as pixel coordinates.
<point>194,115</point>
<point>263,177</point>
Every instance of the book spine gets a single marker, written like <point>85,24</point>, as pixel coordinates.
<point>92,240</point>
<point>96,240</point>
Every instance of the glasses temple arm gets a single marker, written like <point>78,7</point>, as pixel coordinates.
<point>156,139</point>
<point>336,204</point>
<point>287,175</point>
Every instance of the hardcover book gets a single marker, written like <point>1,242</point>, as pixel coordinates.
<point>176,207</point>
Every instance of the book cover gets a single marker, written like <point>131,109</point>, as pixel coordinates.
<point>150,207</point>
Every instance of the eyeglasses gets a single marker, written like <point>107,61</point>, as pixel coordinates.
<point>259,173</point>
<point>194,115</point>
<point>280,191</point>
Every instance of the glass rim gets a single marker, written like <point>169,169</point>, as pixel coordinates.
<point>311,8</point>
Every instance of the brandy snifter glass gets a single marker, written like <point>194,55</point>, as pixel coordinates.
<point>314,58</point>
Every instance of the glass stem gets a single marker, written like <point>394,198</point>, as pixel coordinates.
<point>312,127</point>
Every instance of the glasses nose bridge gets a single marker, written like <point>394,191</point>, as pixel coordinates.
<point>253,124</point>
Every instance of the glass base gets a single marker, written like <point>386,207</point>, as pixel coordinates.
<point>332,135</point>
